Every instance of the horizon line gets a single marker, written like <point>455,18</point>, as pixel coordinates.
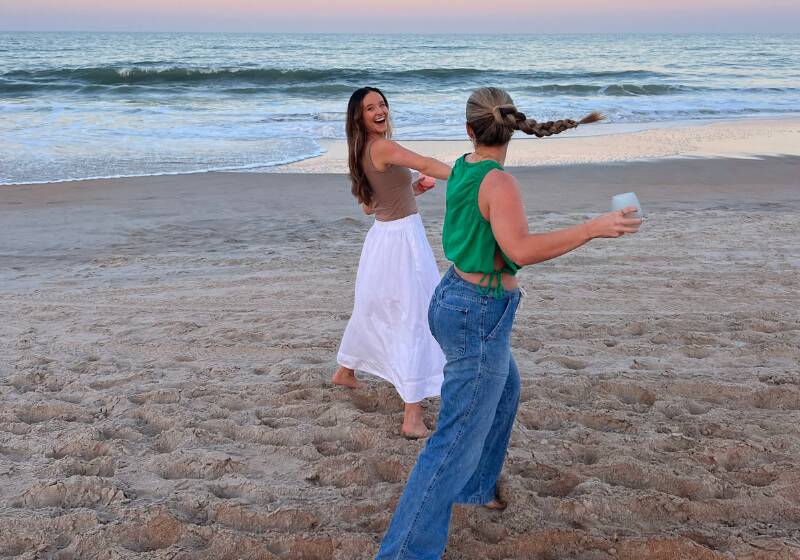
<point>413,34</point>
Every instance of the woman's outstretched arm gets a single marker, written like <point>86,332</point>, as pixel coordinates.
<point>500,202</point>
<point>387,152</point>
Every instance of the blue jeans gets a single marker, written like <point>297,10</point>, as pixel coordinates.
<point>462,459</point>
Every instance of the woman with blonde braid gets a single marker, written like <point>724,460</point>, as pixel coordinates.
<point>486,236</point>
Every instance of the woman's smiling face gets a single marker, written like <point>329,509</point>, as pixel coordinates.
<point>375,113</point>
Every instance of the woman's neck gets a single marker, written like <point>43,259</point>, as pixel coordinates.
<point>496,153</point>
<point>371,137</point>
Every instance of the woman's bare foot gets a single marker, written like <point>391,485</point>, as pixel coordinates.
<point>346,377</point>
<point>413,425</point>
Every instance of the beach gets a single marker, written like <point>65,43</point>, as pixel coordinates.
<point>603,144</point>
<point>167,345</point>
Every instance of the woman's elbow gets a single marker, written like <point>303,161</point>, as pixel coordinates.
<point>521,256</point>
<point>429,167</point>
<point>515,253</point>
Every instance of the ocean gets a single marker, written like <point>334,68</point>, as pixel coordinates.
<point>85,105</point>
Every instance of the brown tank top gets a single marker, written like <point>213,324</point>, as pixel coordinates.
<point>392,194</point>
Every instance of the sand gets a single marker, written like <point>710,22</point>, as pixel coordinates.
<point>605,143</point>
<point>166,346</point>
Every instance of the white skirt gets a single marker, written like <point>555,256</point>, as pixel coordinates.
<point>388,333</point>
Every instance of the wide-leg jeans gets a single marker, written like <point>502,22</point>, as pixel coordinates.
<point>462,459</point>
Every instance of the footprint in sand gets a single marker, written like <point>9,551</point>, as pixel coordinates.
<point>205,467</point>
<point>660,339</point>
<point>102,466</point>
<point>82,448</point>
<point>159,532</point>
<point>150,422</point>
<point>74,492</point>
<point>777,398</point>
<point>244,518</point>
<point>697,352</point>
<point>161,396</point>
<point>60,411</point>
<point>561,486</point>
<point>629,394</point>
<point>565,361</point>
<point>604,422</point>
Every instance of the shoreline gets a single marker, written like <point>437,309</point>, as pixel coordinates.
<point>746,137</point>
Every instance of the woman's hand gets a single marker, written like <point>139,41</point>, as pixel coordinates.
<point>423,184</point>
<point>614,224</point>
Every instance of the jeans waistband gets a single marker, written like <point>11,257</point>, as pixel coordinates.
<point>454,280</point>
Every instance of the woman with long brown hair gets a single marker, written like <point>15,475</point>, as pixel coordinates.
<point>486,236</point>
<point>388,334</point>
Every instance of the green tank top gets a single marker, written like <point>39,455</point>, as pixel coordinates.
<point>467,236</point>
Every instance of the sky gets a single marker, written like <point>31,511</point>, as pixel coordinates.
<point>406,16</point>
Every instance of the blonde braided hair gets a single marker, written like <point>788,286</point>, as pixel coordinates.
<point>493,117</point>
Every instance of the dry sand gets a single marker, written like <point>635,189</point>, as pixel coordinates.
<point>166,346</point>
<point>604,143</point>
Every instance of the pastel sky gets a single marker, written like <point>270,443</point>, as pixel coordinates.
<point>464,16</point>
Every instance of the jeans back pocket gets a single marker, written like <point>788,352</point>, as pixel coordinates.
<point>449,325</point>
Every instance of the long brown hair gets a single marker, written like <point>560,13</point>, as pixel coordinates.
<point>493,117</point>
<point>357,140</point>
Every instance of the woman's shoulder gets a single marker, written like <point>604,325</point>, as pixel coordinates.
<point>382,145</point>
<point>377,150</point>
<point>499,180</point>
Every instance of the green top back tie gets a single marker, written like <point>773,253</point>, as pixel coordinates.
<point>494,276</point>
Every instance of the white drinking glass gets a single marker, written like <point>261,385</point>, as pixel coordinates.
<point>625,200</point>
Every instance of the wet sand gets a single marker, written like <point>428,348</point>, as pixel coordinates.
<point>167,343</point>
